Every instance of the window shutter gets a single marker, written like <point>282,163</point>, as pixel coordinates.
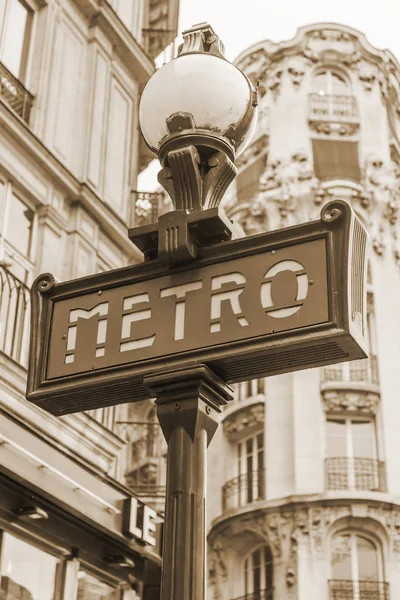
<point>336,160</point>
<point>247,181</point>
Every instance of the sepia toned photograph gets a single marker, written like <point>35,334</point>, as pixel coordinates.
<point>199,300</point>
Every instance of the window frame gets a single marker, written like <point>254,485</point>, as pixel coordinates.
<point>31,8</point>
<point>7,250</point>
<point>250,492</point>
<point>331,70</point>
<point>354,533</point>
<point>248,570</point>
<point>44,546</point>
<point>102,576</point>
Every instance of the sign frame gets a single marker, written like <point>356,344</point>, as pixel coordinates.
<point>341,338</point>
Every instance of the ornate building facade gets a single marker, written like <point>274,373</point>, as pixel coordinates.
<point>304,476</point>
<point>74,520</point>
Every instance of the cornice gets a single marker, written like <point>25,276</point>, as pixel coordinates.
<point>45,161</point>
<point>275,51</point>
<point>298,503</point>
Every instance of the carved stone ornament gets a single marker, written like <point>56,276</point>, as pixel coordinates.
<point>253,151</point>
<point>256,66</point>
<point>274,80</point>
<point>286,182</point>
<point>217,572</point>
<point>367,74</point>
<point>254,217</point>
<point>243,419</point>
<point>332,45</point>
<point>378,243</point>
<point>324,128</point>
<point>296,70</point>
<point>286,528</point>
<point>351,401</point>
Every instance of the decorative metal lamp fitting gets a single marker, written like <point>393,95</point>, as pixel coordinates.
<point>197,113</point>
<point>31,513</point>
<point>121,561</point>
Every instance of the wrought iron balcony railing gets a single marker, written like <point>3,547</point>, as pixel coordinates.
<point>355,474</point>
<point>15,94</point>
<point>147,206</point>
<point>357,371</point>
<point>244,489</point>
<point>342,589</point>
<point>333,107</point>
<point>14,317</point>
<point>260,595</point>
<point>146,460</point>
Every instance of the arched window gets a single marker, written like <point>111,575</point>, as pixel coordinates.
<point>330,82</point>
<point>258,575</point>
<point>356,567</point>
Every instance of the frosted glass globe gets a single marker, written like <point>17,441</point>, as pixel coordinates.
<point>211,89</point>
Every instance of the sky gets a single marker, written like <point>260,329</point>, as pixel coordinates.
<point>242,23</point>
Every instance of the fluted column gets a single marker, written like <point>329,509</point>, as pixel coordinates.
<point>188,403</point>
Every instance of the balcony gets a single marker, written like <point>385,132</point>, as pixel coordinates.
<point>13,93</point>
<point>341,589</point>
<point>332,107</point>
<point>357,371</point>
<point>147,207</point>
<point>146,462</point>
<point>361,474</point>
<point>14,317</point>
<point>260,595</point>
<point>244,489</point>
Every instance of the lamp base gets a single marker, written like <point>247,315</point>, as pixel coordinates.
<point>179,234</point>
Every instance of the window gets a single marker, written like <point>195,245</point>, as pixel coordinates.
<point>26,571</point>
<point>247,389</point>
<point>329,82</point>
<point>250,464</point>
<point>247,182</point>
<point>334,159</point>
<point>91,588</point>
<point>352,455</point>
<point>16,234</point>
<point>16,37</point>
<point>356,567</point>
<point>258,575</point>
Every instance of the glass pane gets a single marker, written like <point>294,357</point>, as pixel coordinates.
<point>256,571</point>
<point>268,570</point>
<point>19,226</point>
<point>363,439</point>
<point>367,555</point>
<point>337,442</point>
<point>26,571</point>
<point>91,588</point>
<point>249,446</point>
<point>341,557</point>
<point>14,37</point>
<point>339,85</point>
<point>320,83</point>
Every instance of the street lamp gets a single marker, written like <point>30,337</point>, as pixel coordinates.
<point>255,307</point>
<point>197,113</point>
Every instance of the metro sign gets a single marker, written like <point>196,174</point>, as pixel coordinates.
<point>258,306</point>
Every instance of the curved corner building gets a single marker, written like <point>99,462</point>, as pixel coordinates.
<point>304,475</point>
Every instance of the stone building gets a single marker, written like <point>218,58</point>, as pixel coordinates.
<point>304,471</point>
<point>71,73</point>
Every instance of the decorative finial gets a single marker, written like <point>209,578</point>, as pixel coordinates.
<point>201,38</point>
